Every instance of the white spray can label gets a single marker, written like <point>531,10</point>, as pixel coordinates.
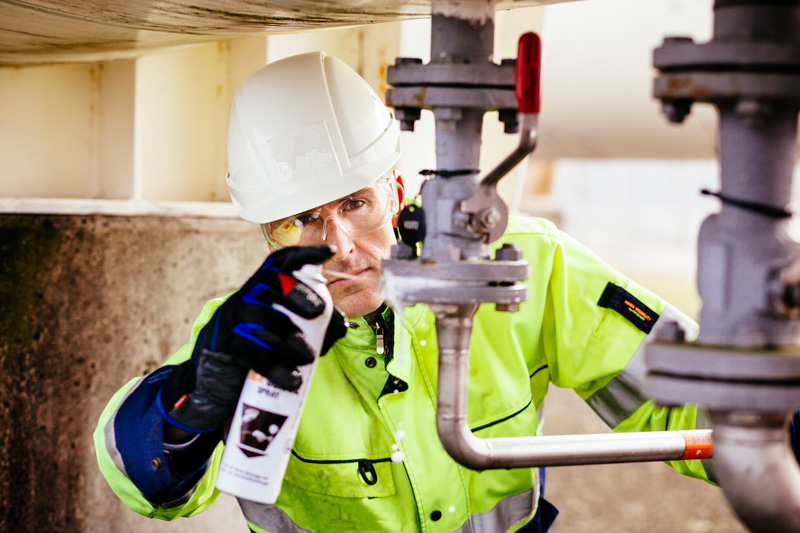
<point>265,423</point>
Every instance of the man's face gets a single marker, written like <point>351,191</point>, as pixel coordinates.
<point>358,257</point>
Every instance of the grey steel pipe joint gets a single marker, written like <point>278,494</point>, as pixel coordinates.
<point>754,464</point>
<point>752,61</point>
<point>744,366</point>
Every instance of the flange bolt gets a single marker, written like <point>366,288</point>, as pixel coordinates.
<point>676,110</point>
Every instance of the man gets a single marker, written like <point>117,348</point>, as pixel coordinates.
<point>311,152</point>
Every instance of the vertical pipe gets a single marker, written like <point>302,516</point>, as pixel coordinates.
<point>453,329</point>
<point>461,32</point>
<point>737,20</point>
<point>757,155</point>
<point>739,247</point>
<point>738,250</point>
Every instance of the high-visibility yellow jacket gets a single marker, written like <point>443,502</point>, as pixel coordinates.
<point>340,475</point>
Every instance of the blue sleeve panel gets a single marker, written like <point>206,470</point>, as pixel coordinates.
<point>165,481</point>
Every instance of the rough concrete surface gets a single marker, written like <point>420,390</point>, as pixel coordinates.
<point>87,302</point>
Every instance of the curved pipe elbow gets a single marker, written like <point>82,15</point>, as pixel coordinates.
<point>453,328</point>
<point>462,445</point>
<point>757,470</point>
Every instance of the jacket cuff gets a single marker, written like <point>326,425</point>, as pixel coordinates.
<point>165,480</point>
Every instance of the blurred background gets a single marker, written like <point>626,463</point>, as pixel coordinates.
<point>115,227</point>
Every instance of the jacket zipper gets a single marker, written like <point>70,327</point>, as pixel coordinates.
<point>380,346</point>
<point>378,324</point>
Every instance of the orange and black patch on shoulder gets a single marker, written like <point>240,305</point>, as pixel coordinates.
<point>616,298</point>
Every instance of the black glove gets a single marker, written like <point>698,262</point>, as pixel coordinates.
<point>246,332</point>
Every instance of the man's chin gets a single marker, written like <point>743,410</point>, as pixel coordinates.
<point>357,304</point>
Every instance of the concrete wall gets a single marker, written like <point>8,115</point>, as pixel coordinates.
<point>89,302</point>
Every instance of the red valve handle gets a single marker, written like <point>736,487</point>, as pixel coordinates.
<point>527,72</point>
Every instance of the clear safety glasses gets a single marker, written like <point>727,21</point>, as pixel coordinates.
<point>362,212</point>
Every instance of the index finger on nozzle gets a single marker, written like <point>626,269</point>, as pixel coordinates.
<point>294,257</point>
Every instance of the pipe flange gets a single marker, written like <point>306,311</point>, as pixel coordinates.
<point>721,395</point>
<point>716,363</point>
<point>716,378</point>
<point>465,282</point>
<point>426,97</point>
<point>487,74</point>
<point>717,86</point>
<point>478,270</point>
<point>431,292</point>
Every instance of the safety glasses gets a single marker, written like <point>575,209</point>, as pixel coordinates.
<point>362,212</point>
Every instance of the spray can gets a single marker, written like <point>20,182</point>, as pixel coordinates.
<point>265,423</point>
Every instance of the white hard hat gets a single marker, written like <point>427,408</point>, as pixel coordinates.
<point>304,131</point>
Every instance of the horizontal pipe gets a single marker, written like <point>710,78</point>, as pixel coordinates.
<point>564,450</point>
<point>454,326</point>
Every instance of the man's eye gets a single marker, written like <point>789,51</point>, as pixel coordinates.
<point>355,204</point>
<point>305,219</point>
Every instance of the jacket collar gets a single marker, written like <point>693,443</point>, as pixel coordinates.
<point>362,335</point>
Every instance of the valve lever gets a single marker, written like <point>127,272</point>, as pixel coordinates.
<point>488,213</point>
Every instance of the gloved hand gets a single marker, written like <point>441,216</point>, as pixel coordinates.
<point>248,331</point>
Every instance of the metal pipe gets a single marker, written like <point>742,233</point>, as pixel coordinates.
<point>753,461</point>
<point>747,271</point>
<point>758,472</point>
<point>739,248</point>
<point>461,33</point>
<point>454,272</point>
<point>453,328</point>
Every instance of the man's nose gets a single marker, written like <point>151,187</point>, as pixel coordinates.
<point>335,234</point>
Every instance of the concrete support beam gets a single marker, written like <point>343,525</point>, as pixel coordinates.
<point>182,107</point>
<point>49,137</point>
<point>151,129</point>
<point>114,160</point>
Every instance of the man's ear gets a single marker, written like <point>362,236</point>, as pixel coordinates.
<point>401,198</point>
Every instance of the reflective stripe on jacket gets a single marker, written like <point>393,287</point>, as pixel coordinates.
<point>341,475</point>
